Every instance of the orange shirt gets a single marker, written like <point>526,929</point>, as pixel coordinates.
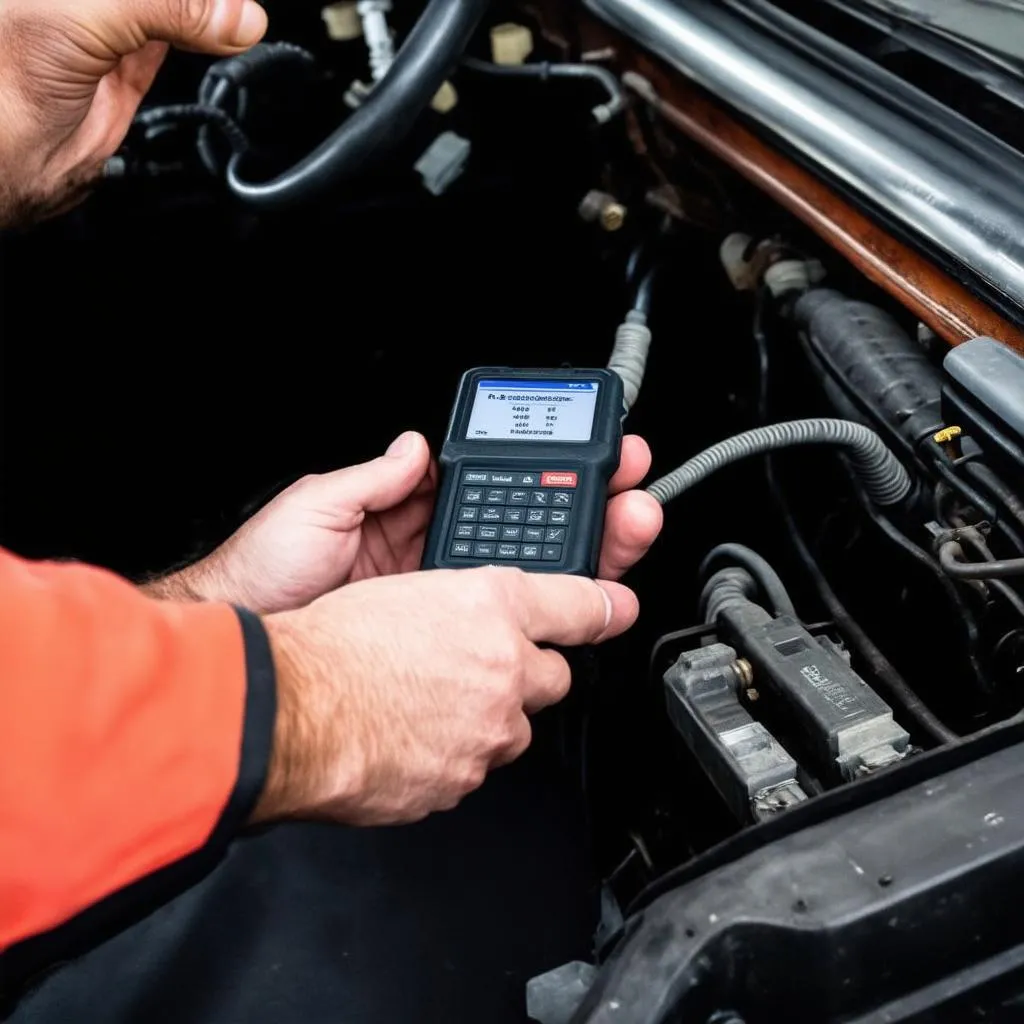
<point>130,729</point>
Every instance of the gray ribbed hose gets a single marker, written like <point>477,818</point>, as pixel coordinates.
<point>629,355</point>
<point>881,473</point>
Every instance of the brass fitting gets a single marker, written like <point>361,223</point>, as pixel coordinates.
<point>603,209</point>
<point>744,672</point>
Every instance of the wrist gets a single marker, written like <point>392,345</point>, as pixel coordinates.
<point>309,769</point>
<point>204,580</point>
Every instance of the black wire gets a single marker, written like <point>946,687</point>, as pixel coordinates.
<point>881,669</point>
<point>969,493</point>
<point>642,298</point>
<point>213,92</point>
<point>759,568</point>
<point>922,558</point>
<point>991,482</point>
<point>196,113</point>
<point>636,258</point>
<point>425,59</point>
<point>544,71</point>
<point>761,340</point>
<point>972,536</point>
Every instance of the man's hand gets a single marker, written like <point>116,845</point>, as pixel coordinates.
<point>397,695</point>
<point>371,520</point>
<point>72,75</point>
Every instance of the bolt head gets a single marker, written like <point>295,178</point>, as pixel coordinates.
<point>613,216</point>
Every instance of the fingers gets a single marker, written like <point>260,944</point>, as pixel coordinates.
<point>209,26</point>
<point>547,678</point>
<point>634,463</point>
<point>569,610</point>
<point>521,740</point>
<point>632,523</point>
<point>344,495</point>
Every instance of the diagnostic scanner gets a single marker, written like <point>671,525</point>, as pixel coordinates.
<point>525,469</point>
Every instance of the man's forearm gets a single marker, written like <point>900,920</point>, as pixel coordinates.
<point>204,580</point>
<point>175,586</point>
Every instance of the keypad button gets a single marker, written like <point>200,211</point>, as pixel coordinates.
<point>483,550</point>
<point>508,550</point>
<point>540,498</point>
<point>535,516</point>
<point>559,478</point>
<point>558,517</point>
<point>515,515</point>
<point>496,495</point>
<point>534,533</point>
<point>519,497</point>
<point>528,479</point>
<point>502,478</point>
<point>461,549</point>
<point>473,494</point>
<point>551,552</point>
<point>511,533</point>
<point>468,514</point>
<point>561,499</point>
<point>487,533</point>
<point>530,551</point>
<point>465,530</point>
<point>555,535</point>
<point>490,515</point>
<point>475,476</point>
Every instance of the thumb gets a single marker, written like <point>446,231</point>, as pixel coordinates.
<point>373,486</point>
<point>209,26</point>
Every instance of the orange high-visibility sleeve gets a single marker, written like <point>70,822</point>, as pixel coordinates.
<point>123,735</point>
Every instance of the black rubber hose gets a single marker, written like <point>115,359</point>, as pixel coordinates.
<point>953,564</point>
<point>425,60</point>
<point>880,668</point>
<point>543,70</point>
<point>956,483</point>
<point>760,569</point>
<point>727,588</point>
<point>971,536</point>
<point>970,626</point>
<point>990,481</point>
<point>226,81</point>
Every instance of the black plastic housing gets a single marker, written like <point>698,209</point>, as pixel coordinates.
<point>877,368</point>
<point>895,899</point>
<point>594,461</point>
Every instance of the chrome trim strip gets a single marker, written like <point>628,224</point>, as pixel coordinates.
<point>961,207</point>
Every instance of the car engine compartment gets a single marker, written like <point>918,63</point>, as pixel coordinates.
<point>833,618</point>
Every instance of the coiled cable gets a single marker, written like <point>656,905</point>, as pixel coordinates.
<point>882,474</point>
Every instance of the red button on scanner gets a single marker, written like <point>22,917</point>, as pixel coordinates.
<point>558,479</point>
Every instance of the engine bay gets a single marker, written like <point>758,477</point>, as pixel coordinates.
<point>834,613</point>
